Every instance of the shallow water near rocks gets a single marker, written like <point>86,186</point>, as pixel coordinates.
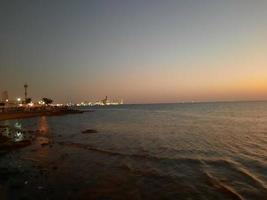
<point>160,151</point>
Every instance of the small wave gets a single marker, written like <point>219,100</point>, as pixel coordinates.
<point>236,171</point>
<point>137,156</point>
<point>91,148</point>
<point>238,167</point>
<point>226,189</point>
<point>226,176</point>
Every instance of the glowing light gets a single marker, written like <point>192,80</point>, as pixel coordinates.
<point>31,104</point>
<point>41,102</point>
<point>18,99</point>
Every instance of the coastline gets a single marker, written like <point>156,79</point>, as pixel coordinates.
<point>21,115</point>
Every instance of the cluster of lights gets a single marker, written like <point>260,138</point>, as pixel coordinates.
<point>98,103</point>
<point>31,104</point>
<point>41,102</point>
<point>19,102</point>
<point>84,104</point>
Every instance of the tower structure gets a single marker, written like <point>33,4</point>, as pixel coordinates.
<point>26,91</point>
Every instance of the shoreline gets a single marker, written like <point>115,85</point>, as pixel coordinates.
<point>22,115</point>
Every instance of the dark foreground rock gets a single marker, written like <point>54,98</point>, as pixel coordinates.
<point>12,138</point>
<point>89,131</point>
<point>10,145</point>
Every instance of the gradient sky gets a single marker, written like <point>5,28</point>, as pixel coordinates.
<point>141,50</point>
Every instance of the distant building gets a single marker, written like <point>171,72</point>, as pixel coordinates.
<point>107,102</point>
<point>103,102</point>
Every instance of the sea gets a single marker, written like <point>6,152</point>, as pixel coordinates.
<point>184,151</point>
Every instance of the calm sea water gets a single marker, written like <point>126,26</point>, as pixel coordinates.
<point>160,151</point>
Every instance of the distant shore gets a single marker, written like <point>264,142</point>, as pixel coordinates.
<point>20,115</point>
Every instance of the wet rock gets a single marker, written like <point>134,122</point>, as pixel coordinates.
<point>90,131</point>
<point>43,171</point>
<point>31,131</point>
<point>55,167</point>
<point>16,186</point>
<point>24,198</point>
<point>40,187</point>
<point>43,144</point>
<point>6,174</point>
<point>10,145</point>
<point>3,139</point>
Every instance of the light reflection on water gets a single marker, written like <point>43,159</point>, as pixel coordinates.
<point>43,125</point>
<point>43,135</point>
<point>43,138</point>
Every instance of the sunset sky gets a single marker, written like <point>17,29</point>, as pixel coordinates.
<point>144,51</point>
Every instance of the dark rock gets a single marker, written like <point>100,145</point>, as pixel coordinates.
<point>40,187</point>
<point>45,144</point>
<point>31,131</point>
<point>10,145</point>
<point>6,174</point>
<point>90,131</point>
<point>16,186</point>
<point>55,167</point>
<point>24,198</point>
<point>3,139</point>
<point>22,143</point>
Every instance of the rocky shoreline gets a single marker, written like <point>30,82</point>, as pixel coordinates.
<point>15,176</point>
<point>29,114</point>
<point>14,138</point>
<point>25,169</point>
